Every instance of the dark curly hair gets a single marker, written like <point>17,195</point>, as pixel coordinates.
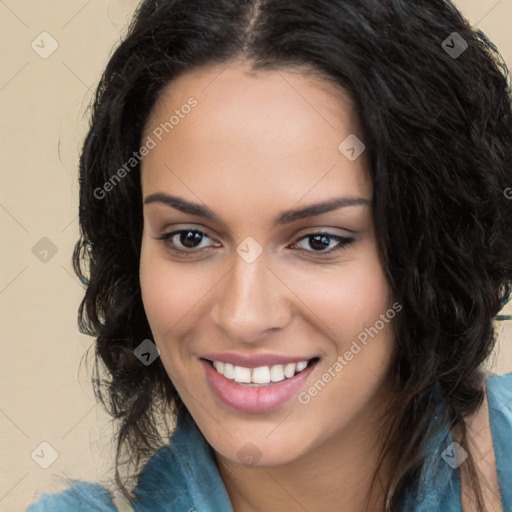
<point>438,133</point>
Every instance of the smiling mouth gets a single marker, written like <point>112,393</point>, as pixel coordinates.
<point>262,375</point>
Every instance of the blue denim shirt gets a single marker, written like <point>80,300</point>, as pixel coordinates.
<point>183,476</point>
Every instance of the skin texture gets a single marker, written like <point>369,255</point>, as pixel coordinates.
<point>255,145</point>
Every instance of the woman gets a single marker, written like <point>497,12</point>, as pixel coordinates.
<point>295,241</point>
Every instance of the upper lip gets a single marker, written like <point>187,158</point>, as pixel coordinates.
<point>254,361</point>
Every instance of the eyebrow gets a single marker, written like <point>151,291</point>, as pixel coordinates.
<point>285,217</point>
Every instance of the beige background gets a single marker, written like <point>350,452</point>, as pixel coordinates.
<point>43,398</point>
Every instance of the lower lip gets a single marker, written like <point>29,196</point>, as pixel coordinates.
<point>254,399</point>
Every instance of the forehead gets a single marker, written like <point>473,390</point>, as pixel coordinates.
<point>264,134</point>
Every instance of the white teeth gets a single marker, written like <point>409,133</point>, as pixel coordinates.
<point>219,366</point>
<point>228,371</point>
<point>289,370</point>
<point>241,374</point>
<point>260,375</point>
<point>277,373</point>
<point>301,365</point>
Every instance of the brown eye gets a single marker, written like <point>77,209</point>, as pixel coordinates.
<point>184,240</point>
<point>318,242</point>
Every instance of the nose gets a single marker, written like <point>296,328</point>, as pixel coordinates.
<point>250,302</point>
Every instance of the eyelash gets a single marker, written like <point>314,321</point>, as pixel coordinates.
<point>343,241</point>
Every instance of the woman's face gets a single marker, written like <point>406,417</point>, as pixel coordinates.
<point>257,275</point>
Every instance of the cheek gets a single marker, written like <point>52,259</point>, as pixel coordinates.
<point>350,304</point>
<point>350,308</point>
<point>347,299</point>
<point>169,292</point>
<point>171,297</point>
<point>362,299</point>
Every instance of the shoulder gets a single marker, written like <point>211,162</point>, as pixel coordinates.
<point>499,410</point>
<point>495,413</point>
<point>489,434</point>
<point>167,477</point>
<point>161,482</point>
<point>499,397</point>
<point>182,475</point>
<point>80,497</point>
<point>499,392</point>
